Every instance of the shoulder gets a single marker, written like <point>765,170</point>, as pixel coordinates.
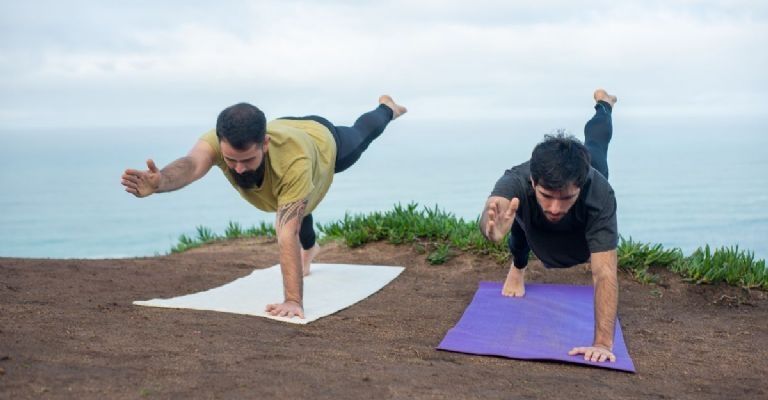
<point>514,182</point>
<point>211,139</point>
<point>598,188</point>
<point>601,224</point>
<point>599,199</point>
<point>520,172</point>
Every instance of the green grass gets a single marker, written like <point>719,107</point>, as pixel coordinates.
<point>436,231</point>
<point>441,254</point>
<point>726,264</point>
<point>636,258</point>
<point>186,243</point>
<point>440,236</point>
<point>233,231</point>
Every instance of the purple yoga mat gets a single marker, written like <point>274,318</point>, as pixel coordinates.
<point>545,324</point>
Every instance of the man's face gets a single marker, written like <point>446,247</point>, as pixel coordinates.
<point>244,163</point>
<point>556,203</point>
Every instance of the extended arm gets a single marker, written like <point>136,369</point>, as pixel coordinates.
<point>604,267</point>
<point>288,223</point>
<point>174,176</point>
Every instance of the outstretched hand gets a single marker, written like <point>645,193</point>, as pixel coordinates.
<point>287,309</point>
<point>500,214</point>
<point>594,353</point>
<point>142,183</point>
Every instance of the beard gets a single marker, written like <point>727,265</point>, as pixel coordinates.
<point>249,179</point>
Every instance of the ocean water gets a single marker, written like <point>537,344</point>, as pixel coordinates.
<point>682,183</point>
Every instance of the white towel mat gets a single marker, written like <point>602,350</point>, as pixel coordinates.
<point>328,288</point>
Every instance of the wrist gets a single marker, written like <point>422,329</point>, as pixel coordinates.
<point>297,302</point>
<point>160,178</point>
<point>603,346</point>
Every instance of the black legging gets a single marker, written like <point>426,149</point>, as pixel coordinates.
<point>597,135</point>
<point>351,142</point>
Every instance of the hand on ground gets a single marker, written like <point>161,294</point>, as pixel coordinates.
<point>142,183</point>
<point>288,309</point>
<point>594,353</point>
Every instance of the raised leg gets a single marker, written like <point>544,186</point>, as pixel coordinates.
<point>352,141</point>
<point>599,130</point>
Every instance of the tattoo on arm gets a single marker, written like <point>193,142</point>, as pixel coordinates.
<point>289,211</point>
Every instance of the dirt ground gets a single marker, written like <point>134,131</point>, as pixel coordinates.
<point>68,330</point>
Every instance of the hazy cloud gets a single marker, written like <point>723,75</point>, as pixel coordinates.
<point>142,63</point>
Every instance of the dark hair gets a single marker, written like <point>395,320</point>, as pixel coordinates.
<point>558,161</point>
<point>241,126</point>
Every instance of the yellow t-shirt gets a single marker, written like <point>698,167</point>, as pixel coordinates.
<point>299,165</point>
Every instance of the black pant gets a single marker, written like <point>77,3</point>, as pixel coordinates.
<point>351,142</point>
<point>597,135</point>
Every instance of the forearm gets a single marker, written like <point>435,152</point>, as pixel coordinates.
<point>606,306</point>
<point>176,175</point>
<point>290,266</point>
<point>289,218</point>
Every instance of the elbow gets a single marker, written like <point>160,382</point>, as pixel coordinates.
<point>287,237</point>
<point>604,277</point>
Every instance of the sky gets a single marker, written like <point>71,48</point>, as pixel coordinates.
<point>149,63</point>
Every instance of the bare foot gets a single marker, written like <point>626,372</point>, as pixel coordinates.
<point>397,110</point>
<point>307,256</point>
<point>601,94</point>
<point>514,286</point>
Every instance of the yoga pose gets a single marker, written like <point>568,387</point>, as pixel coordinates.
<point>284,166</point>
<point>563,209</point>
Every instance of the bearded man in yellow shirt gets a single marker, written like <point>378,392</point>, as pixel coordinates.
<point>284,166</point>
